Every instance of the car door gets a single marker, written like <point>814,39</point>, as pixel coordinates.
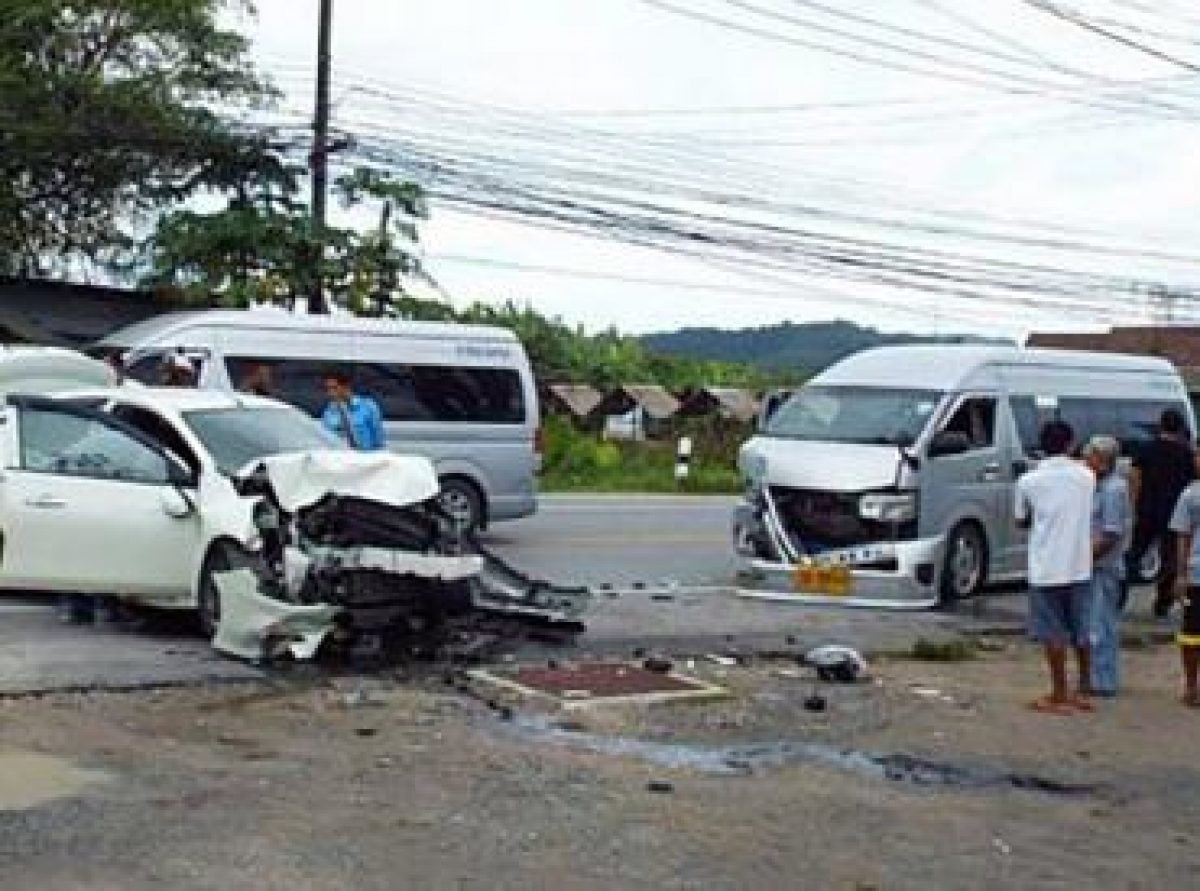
<point>972,482</point>
<point>84,507</point>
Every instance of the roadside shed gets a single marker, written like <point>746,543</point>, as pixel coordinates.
<point>576,401</point>
<point>726,403</point>
<point>637,411</point>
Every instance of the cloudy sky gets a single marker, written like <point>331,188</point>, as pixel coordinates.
<point>1083,135</point>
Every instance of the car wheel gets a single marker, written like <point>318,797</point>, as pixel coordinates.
<point>208,597</point>
<point>965,563</point>
<point>463,503</point>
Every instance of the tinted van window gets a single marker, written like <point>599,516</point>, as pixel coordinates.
<point>442,393</point>
<point>1131,421</point>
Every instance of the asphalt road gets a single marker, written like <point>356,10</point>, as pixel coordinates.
<point>668,560</point>
<point>622,540</point>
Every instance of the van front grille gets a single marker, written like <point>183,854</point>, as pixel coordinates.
<point>819,521</point>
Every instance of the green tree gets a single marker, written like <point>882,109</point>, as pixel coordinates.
<point>259,247</point>
<point>107,115</point>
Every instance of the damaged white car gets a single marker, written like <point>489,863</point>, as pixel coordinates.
<point>243,509</point>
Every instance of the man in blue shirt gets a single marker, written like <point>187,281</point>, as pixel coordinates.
<point>354,418</point>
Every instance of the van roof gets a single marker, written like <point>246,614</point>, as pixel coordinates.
<point>948,366</point>
<point>279,319</point>
<point>180,399</point>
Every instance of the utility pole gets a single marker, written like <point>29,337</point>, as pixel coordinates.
<point>319,159</point>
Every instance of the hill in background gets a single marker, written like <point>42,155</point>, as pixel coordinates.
<point>810,347</point>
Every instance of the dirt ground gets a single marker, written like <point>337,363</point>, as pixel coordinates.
<point>316,783</point>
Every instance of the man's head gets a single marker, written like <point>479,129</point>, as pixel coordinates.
<point>177,370</point>
<point>337,385</point>
<point>1101,454</point>
<point>1171,423</point>
<point>1057,438</point>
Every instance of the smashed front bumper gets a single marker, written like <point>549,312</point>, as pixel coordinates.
<point>888,575</point>
<point>255,626</point>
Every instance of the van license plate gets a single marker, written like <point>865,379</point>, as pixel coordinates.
<point>833,581</point>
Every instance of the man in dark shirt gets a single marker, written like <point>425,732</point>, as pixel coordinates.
<point>1161,471</point>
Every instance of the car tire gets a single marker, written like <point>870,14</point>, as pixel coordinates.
<point>964,565</point>
<point>208,597</point>
<point>461,500</point>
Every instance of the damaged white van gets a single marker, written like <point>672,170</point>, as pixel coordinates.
<point>888,479</point>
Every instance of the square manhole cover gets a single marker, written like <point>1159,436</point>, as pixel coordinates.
<point>602,682</point>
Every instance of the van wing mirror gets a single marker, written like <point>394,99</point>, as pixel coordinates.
<point>949,442</point>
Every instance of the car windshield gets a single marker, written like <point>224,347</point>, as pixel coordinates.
<point>236,436</point>
<point>867,415</point>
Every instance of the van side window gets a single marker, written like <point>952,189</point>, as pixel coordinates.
<point>444,393</point>
<point>975,418</point>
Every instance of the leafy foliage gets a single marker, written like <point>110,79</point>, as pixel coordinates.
<point>260,247</point>
<point>107,115</point>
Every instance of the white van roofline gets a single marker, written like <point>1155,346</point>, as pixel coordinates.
<point>950,367</point>
<point>169,325</point>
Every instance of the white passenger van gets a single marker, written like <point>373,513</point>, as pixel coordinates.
<point>461,395</point>
<point>888,479</point>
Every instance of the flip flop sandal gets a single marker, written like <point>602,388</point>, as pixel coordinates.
<point>1048,706</point>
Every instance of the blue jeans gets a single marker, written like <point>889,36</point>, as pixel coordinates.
<point>1106,630</point>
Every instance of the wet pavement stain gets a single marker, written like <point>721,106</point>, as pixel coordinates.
<point>746,759</point>
<point>29,779</point>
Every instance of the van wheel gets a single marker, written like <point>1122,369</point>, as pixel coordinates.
<point>965,564</point>
<point>461,500</point>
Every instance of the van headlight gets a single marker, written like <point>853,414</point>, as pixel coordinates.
<point>888,507</point>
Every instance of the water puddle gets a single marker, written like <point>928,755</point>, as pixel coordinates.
<point>742,760</point>
<point>28,779</point>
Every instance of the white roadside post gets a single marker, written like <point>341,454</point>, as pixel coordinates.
<point>683,458</point>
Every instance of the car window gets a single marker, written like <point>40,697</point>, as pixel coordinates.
<point>405,392</point>
<point>71,444</point>
<point>160,430</point>
<point>975,418</point>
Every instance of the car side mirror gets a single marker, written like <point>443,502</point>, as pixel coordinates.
<point>949,442</point>
<point>176,504</point>
<point>179,474</point>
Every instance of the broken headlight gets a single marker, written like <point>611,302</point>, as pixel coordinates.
<point>888,507</point>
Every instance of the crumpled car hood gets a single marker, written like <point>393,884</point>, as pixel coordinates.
<point>302,479</point>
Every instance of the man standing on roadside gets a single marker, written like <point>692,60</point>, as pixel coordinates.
<point>1185,523</point>
<point>1111,527</point>
<point>1161,471</point>
<point>355,418</point>
<point>1054,502</point>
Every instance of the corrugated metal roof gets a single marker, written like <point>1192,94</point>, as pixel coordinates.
<point>580,399</point>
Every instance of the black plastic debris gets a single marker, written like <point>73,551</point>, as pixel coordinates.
<point>815,703</point>
<point>660,787</point>
<point>658,664</point>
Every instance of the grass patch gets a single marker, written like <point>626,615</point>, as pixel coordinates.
<point>578,461</point>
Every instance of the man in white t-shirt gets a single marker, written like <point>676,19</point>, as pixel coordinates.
<point>1054,502</point>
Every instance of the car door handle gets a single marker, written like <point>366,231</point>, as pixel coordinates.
<point>990,472</point>
<point>45,502</point>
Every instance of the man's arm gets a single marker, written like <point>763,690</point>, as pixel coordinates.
<point>1112,521</point>
<point>375,425</point>
<point>1021,511</point>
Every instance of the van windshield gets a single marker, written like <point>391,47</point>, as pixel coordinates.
<point>865,415</point>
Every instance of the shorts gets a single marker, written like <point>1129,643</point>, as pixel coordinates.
<point>1189,619</point>
<point>1061,615</point>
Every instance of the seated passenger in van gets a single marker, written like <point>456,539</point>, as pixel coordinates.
<point>259,380</point>
<point>351,416</point>
<point>177,370</point>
